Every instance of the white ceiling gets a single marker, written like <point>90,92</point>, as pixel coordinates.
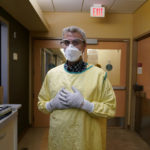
<point>112,6</point>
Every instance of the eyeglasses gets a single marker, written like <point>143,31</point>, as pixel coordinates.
<point>74,42</point>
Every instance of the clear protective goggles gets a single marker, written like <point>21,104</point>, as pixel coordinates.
<point>74,42</point>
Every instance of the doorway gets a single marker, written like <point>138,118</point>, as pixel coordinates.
<point>113,58</point>
<point>142,88</point>
<point>46,54</point>
<point>4,60</point>
<point>120,83</point>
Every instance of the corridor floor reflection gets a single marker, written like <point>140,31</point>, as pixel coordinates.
<point>117,139</point>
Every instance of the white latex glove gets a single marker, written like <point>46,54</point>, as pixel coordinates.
<point>75,100</point>
<point>55,103</point>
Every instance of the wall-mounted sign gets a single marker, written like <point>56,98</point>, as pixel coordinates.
<point>139,68</point>
<point>97,11</point>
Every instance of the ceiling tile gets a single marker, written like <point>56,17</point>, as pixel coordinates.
<point>45,5</point>
<point>112,6</point>
<point>126,6</point>
<point>67,5</point>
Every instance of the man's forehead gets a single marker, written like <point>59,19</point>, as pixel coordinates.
<point>73,35</point>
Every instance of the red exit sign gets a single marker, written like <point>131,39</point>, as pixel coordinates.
<point>97,11</point>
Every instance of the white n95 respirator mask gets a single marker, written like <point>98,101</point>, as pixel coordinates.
<point>72,53</point>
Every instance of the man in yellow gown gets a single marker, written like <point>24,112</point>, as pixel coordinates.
<point>79,98</point>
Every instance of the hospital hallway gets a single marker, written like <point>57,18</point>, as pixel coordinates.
<point>75,66</point>
<point>117,139</point>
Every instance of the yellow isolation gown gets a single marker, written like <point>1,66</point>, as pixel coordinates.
<point>76,129</point>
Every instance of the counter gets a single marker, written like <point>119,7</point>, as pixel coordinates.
<point>9,129</point>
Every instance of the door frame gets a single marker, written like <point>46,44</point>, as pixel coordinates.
<point>134,75</point>
<point>127,102</point>
<point>127,107</point>
<point>6,90</point>
<point>38,45</point>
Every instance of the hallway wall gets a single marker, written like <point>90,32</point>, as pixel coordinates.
<point>18,70</point>
<point>112,26</point>
<point>141,21</point>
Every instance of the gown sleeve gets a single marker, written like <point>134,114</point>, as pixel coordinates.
<point>44,96</point>
<point>106,106</point>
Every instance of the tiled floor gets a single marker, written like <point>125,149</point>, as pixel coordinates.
<point>34,139</point>
<point>117,139</point>
<point>121,139</point>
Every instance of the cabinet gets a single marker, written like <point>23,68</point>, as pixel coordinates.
<point>8,135</point>
<point>8,131</point>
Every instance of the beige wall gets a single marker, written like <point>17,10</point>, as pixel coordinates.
<point>113,26</point>
<point>141,20</point>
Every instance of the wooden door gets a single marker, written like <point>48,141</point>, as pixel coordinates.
<point>40,119</point>
<point>118,82</point>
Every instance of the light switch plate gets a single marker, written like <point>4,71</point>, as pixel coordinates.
<point>15,56</point>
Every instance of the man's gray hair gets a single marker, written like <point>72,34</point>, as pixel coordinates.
<point>74,29</point>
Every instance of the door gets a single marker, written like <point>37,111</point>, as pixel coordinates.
<point>45,54</point>
<point>142,120</point>
<point>112,56</point>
